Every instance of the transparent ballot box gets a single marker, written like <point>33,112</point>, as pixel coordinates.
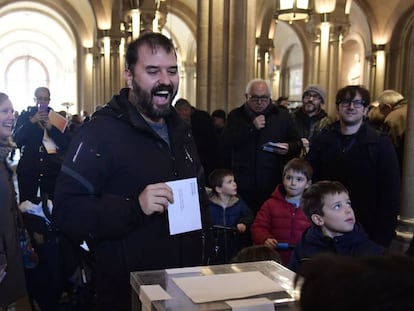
<point>260,285</point>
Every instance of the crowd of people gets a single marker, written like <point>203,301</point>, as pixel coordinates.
<point>271,184</point>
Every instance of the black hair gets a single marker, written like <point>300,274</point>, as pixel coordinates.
<point>347,93</point>
<point>299,165</point>
<point>312,200</point>
<point>216,177</point>
<point>154,40</point>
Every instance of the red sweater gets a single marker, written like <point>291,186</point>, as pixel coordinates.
<point>280,220</point>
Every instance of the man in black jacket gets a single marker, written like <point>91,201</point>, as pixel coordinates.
<point>42,147</point>
<point>258,169</point>
<point>352,152</point>
<point>112,189</point>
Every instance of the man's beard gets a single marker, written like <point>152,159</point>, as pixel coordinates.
<point>142,100</point>
<point>310,108</point>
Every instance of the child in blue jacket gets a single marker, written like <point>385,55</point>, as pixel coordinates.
<point>334,228</point>
<point>230,216</point>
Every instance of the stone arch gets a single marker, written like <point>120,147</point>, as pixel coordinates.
<point>73,28</point>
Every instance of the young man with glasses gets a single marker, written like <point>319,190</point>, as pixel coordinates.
<point>249,127</point>
<point>352,152</point>
<point>310,118</point>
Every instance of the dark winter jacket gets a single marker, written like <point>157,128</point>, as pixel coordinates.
<point>28,137</point>
<point>354,244</point>
<point>310,126</point>
<point>13,286</point>
<point>206,140</point>
<point>229,242</point>
<point>109,163</point>
<point>256,170</point>
<point>280,220</point>
<point>368,167</point>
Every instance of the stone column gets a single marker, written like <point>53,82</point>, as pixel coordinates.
<point>380,64</point>
<point>328,31</point>
<point>225,52</point>
<point>203,13</point>
<point>241,55</point>
<point>407,197</point>
<point>335,58</point>
<point>86,90</point>
<point>115,66</point>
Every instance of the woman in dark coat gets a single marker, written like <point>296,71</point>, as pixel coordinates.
<point>12,282</point>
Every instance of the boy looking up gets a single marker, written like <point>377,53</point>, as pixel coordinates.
<point>230,212</point>
<point>334,229</point>
<point>280,220</point>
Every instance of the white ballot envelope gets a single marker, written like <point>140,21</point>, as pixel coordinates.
<point>184,215</point>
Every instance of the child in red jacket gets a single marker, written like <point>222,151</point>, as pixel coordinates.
<point>280,222</point>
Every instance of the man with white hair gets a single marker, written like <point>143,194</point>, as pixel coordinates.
<point>394,108</point>
<point>257,168</point>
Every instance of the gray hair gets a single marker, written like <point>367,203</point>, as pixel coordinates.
<point>259,81</point>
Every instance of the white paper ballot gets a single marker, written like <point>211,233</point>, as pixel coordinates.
<point>226,286</point>
<point>184,215</point>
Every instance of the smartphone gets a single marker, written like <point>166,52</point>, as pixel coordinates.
<point>43,107</point>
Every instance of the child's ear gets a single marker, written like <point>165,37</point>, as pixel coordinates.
<point>308,184</point>
<point>218,189</point>
<point>317,219</point>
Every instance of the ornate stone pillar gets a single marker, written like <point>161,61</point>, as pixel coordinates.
<point>406,224</point>
<point>264,49</point>
<point>115,66</point>
<point>188,81</point>
<point>379,73</point>
<point>86,91</point>
<point>203,13</point>
<point>242,40</point>
<point>105,65</point>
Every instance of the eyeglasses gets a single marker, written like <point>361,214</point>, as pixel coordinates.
<point>257,99</point>
<point>308,95</point>
<point>43,99</point>
<point>356,103</point>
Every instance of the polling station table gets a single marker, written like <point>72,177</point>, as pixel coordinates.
<point>261,285</point>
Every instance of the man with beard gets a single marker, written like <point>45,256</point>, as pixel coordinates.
<point>352,152</point>
<point>112,190</point>
<point>311,118</point>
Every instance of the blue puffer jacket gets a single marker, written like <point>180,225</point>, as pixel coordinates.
<point>355,244</point>
<point>230,242</point>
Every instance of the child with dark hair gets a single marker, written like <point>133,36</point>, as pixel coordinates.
<point>230,215</point>
<point>280,221</point>
<point>334,229</point>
